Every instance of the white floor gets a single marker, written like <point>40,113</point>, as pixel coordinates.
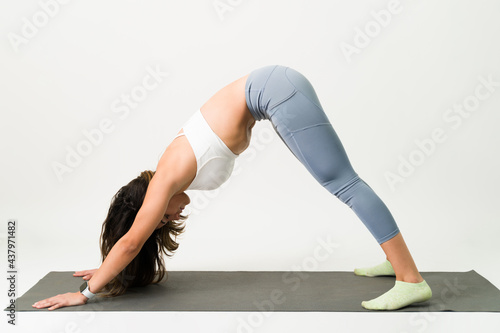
<point>247,322</point>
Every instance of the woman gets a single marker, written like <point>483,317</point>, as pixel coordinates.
<point>145,216</point>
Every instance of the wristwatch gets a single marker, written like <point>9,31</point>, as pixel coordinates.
<point>84,289</point>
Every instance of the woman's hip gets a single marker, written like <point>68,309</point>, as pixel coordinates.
<point>268,88</point>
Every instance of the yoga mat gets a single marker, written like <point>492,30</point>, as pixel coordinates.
<point>271,291</point>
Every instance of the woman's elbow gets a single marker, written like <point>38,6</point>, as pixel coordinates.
<point>130,244</point>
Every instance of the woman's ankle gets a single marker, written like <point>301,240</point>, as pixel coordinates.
<point>410,278</point>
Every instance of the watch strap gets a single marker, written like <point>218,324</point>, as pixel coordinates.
<point>84,289</point>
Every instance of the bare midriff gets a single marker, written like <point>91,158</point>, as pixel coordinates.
<point>228,116</point>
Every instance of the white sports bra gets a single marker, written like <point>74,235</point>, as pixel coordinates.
<point>214,160</point>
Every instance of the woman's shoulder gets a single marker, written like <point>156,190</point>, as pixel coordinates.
<point>178,162</point>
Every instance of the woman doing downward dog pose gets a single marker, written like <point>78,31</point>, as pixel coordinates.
<point>145,215</point>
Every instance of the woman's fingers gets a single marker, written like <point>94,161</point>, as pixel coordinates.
<point>60,300</point>
<point>81,273</point>
<point>47,302</point>
<point>87,274</point>
<point>57,306</point>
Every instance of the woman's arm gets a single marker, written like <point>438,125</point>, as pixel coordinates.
<point>124,250</point>
<point>161,188</point>
<point>176,169</point>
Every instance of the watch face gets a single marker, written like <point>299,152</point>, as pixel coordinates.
<point>83,286</point>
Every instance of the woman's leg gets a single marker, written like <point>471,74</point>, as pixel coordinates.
<point>286,97</point>
<point>401,260</point>
<point>288,100</point>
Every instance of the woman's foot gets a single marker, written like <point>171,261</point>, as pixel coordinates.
<point>384,269</point>
<point>410,287</point>
<point>401,295</point>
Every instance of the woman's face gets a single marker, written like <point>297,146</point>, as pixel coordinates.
<point>174,209</point>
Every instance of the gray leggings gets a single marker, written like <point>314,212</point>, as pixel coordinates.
<point>288,100</point>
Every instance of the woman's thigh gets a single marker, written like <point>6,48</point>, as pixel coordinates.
<point>302,124</point>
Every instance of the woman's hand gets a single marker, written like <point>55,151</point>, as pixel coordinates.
<point>68,299</point>
<point>86,274</point>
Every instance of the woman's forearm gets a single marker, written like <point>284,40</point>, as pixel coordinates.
<point>167,181</point>
<point>117,259</point>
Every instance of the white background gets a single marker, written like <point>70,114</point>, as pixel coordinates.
<point>65,77</point>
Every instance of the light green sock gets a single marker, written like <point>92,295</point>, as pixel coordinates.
<point>401,295</point>
<point>384,268</point>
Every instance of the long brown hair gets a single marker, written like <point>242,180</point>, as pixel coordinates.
<point>148,266</point>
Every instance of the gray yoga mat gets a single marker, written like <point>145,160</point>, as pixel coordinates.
<point>271,291</point>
